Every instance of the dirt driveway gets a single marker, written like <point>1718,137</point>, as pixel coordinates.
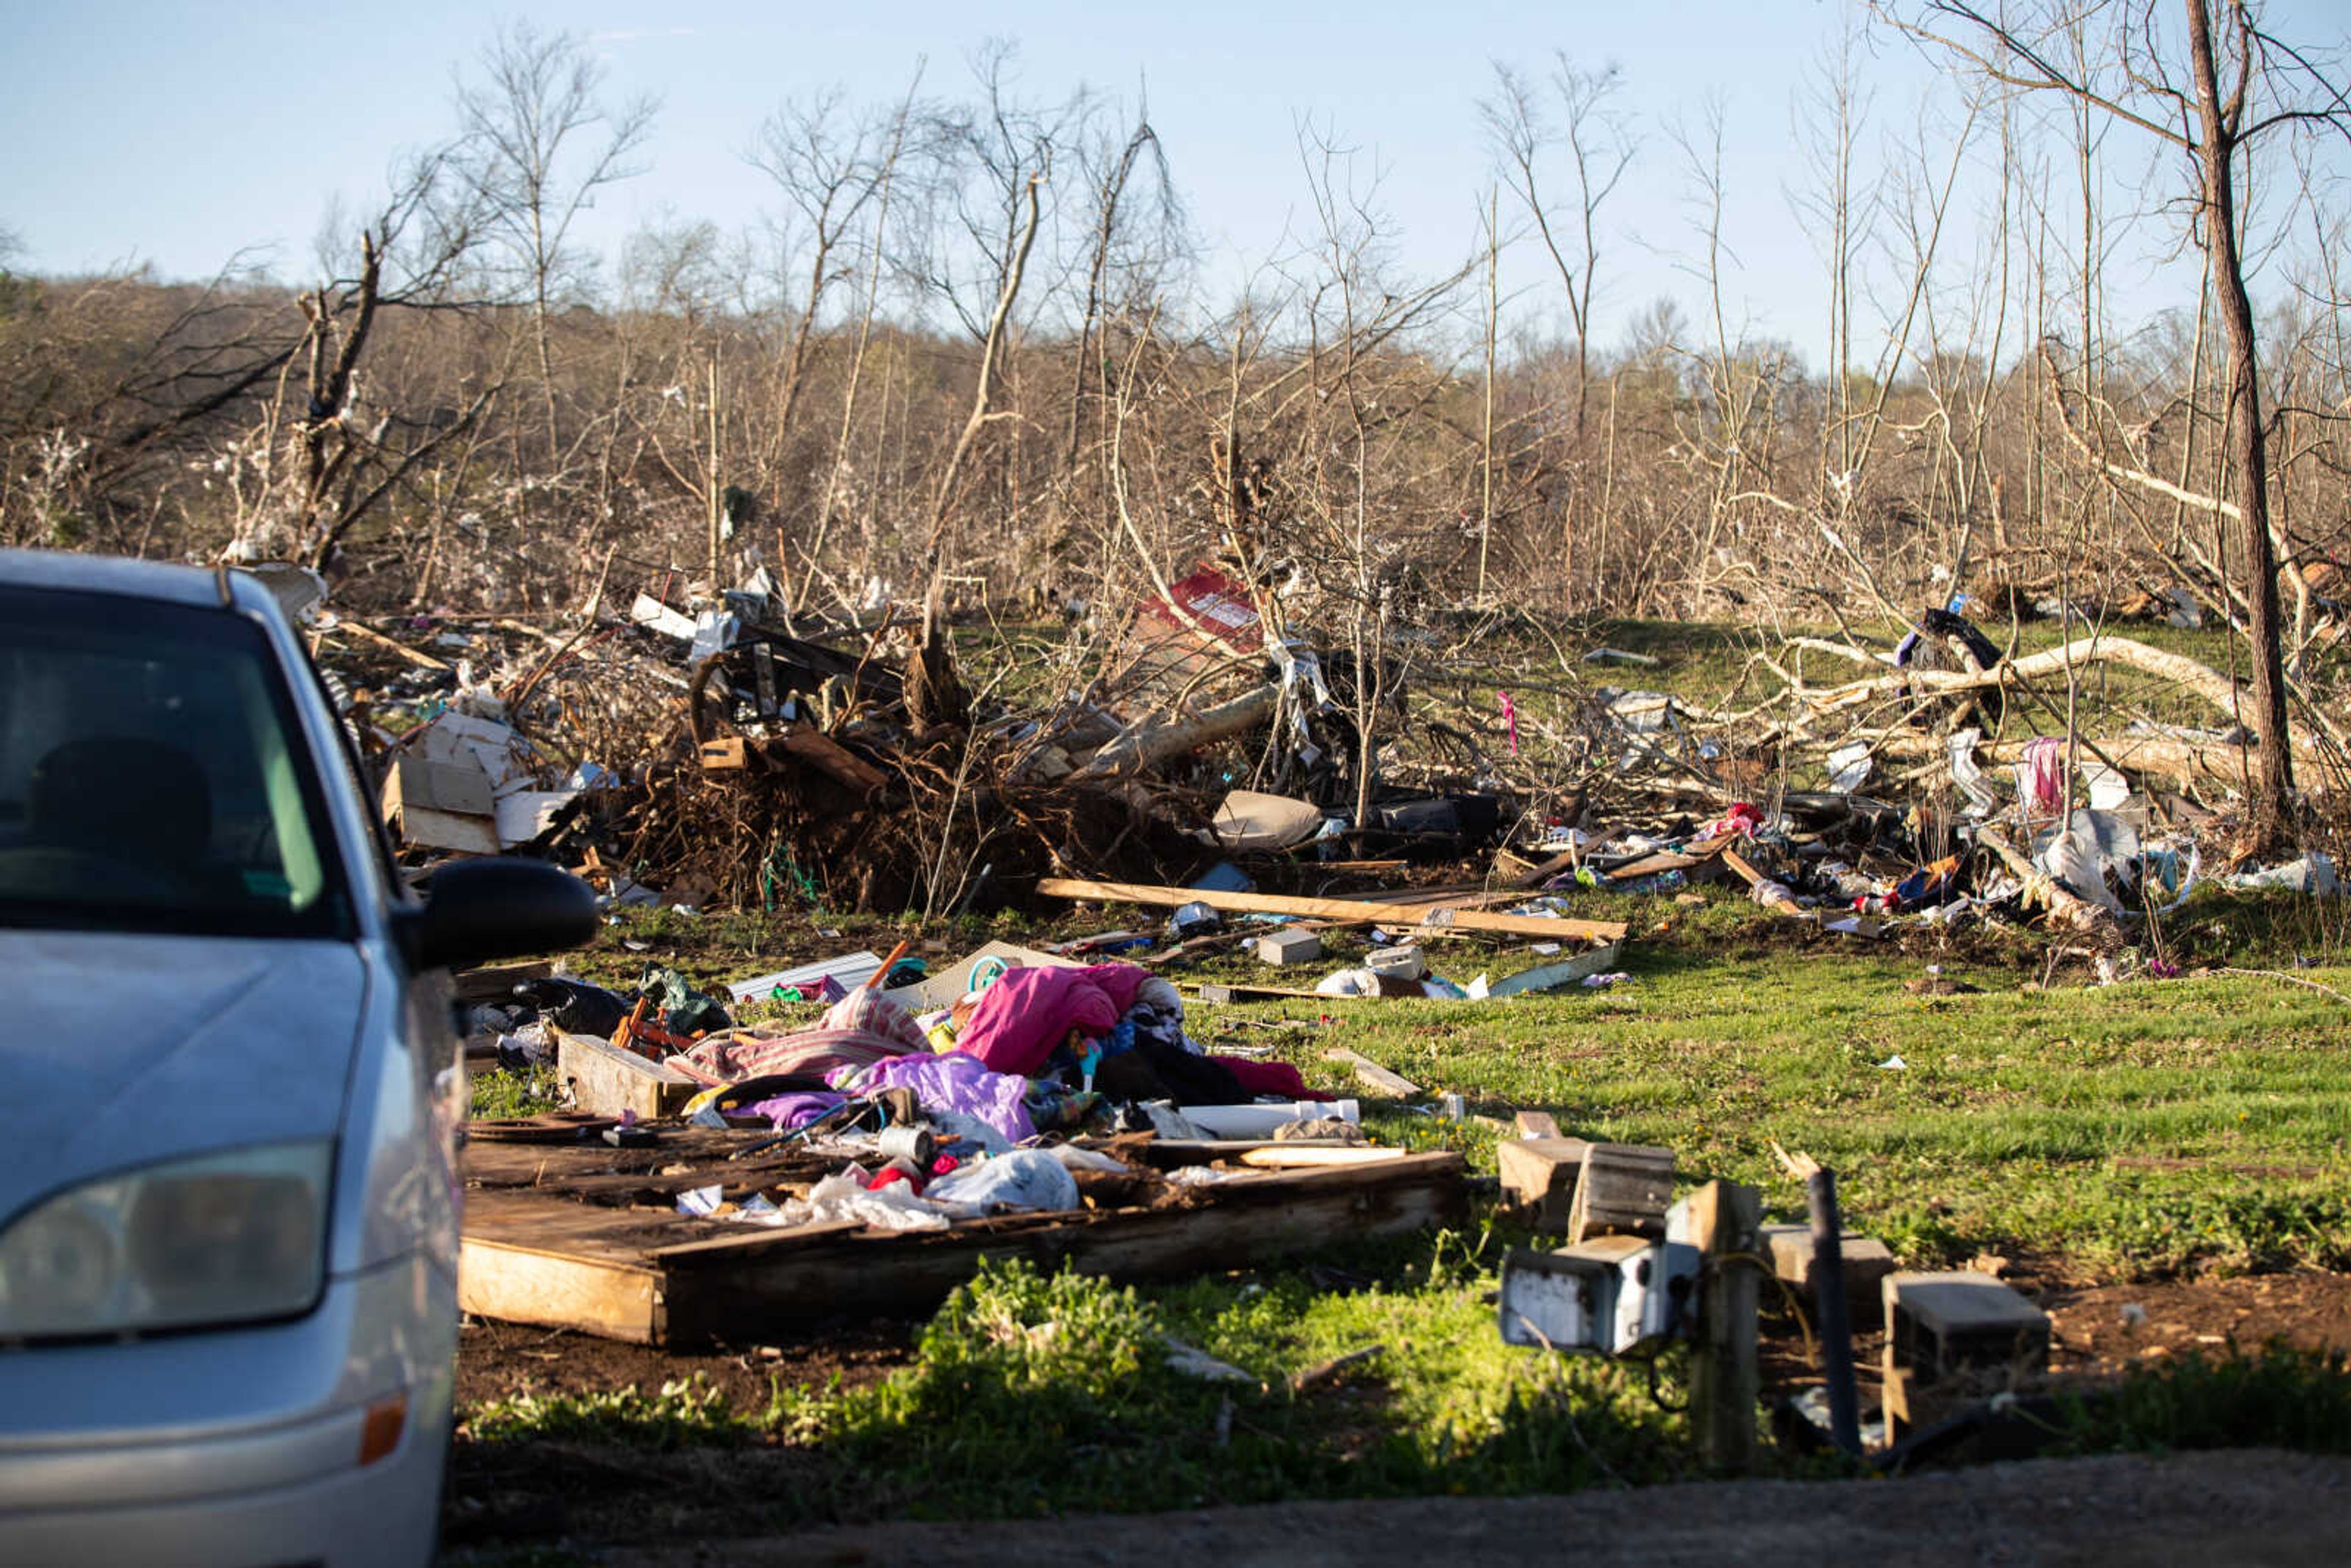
<point>2250,1508</point>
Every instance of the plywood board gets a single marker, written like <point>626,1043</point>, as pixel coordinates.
<point>536,1256</point>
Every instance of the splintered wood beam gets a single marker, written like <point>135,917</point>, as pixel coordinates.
<point>1372,1076</point>
<point>1137,749</point>
<point>1345,911</point>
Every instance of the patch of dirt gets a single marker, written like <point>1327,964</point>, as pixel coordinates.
<point>508,1495</point>
<point>497,1360</point>
<point>2095,1330</point>
<point>2092,1334</point>
<point>543,1490</point>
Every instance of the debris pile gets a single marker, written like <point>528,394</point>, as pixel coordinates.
<point>711,750</point>
<point>1061,1099</point>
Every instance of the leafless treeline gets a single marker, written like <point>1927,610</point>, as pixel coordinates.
<point>973,352</point>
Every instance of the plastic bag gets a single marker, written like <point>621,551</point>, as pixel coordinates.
<point>1025,1178</point>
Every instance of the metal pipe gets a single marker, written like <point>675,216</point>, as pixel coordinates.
<point>1836,1323</point>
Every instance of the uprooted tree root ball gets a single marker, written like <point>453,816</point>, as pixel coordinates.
<point>771,835</point>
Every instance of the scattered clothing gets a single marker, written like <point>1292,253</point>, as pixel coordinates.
<point>861,1030</point>
<point>1019,1019</point>
<point>953,1081</point>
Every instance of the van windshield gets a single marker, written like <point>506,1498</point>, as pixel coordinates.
<point>153,776</point>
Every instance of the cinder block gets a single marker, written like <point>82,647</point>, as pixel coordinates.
<point>1288,946</point>
<point>1963,1325</point>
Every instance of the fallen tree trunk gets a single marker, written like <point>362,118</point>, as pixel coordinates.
<point>1138,749</point>
<point>2175,668</point>
<point>2184,763</point>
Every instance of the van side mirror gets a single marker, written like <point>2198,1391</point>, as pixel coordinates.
<point>497,907</point>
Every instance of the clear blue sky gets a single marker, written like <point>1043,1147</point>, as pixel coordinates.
<point>178,134</point>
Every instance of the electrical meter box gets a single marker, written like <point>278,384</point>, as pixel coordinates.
<point>1615,1294</point>
<point>1656,1292</point>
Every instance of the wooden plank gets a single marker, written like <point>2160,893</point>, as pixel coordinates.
<point>1525,875</point>
<point>1535,1125</point>
<point>1305,1157</point>
<point>1168,1154</point>
<point>1651,864</point>
<point>714,1251</point>
<point>350,628</point>
<point>827,756</point>
<point>1372,1076</point>
<point>608,1080</point>
<point>495,982</point>
<point>1337,909</point>
<point>549,1222</point>
<point>1250,1221</point>
<point>1551,976</point>
<point>560,1290</point>
<point>1727,1383</point>
<point>528,1165</point>
<point>1624,1190</point>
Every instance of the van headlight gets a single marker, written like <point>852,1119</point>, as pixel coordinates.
<point>218,1238</point>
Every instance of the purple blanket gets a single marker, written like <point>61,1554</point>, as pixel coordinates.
<point>949,1081</point>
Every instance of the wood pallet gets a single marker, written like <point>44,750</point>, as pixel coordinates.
<point>544,1241</point>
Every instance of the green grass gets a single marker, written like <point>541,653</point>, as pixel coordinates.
<point>2003,1129</point>
<point>2278,1396</point>
<point>502,1094</point>
<point>684,1413</point>
<point>1032,1395</point>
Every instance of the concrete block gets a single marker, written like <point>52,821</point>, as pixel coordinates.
<point>1290,945</point>
<point>1867,1262</point>
<point>1963,1325</point>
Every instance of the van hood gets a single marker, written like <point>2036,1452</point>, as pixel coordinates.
<point>125,1050</point>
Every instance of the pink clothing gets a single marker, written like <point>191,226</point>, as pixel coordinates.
<point>1268,1078</point>
<point>862,1028</point>
<point>1021,1017</point>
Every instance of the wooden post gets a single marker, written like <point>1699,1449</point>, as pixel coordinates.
<point>1726,1220</point>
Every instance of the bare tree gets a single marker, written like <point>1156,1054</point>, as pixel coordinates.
<point>993,161</point>
<point>885,177</point>
<point>2213,108</point>
<point>1600,147</point>
<point>527,128</point>
<point>828,171</point>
